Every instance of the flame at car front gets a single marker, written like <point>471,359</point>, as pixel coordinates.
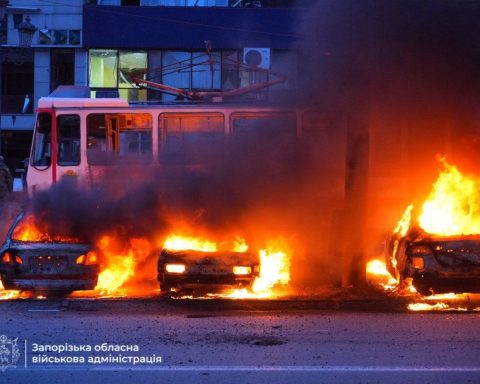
<point>274,261</point>
<point>453,206</point>
<point>177,242</point>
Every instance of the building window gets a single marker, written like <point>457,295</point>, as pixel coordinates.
<point>62,67</point>
<point>3,30</point>
<point>191,70</point>
<point>110,68</point>
<point>59,36</point>
<point>187,70</point>
<point>17,82</point>
<point>103,68</point>
<point>128,61</point>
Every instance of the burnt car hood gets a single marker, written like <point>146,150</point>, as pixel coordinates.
<point>42,246</point>
<point>227,258</point>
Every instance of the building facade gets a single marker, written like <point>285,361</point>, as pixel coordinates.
<point>98,43</point>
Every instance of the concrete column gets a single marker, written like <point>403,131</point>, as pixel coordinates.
<point>356,198</point>
<point>41,74</point>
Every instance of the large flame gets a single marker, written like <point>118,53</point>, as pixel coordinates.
<point>274,263</point>
<point>176,242</point>
<point>120,262</point>
<point>404,223</point>
<point>453,206</point>
<point>27,230</point>
<point>378,273</point>
<point>274,270</point>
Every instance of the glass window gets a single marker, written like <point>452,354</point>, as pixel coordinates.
<point>3,30</point>
<point>62,67</point>
<point>61,36</point>
<point>205,71</point>
<point>186,138</point>
<point>74,36</point>
<point>42,148</point>
<point>264,129</point>
<point>68,139</point>
<point>230,79</point>
<point>176,69</point>
<point>17,82</point>
<point>103,68</point>
<point>111,137</point>
<point>129,60</point>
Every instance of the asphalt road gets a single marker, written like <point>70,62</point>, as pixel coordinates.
<point>215,342</point>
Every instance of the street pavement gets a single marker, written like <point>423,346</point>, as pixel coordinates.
<point>217,342</point>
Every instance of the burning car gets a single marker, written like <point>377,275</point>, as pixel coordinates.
<point>438,247</point>
<point>436,264</point>
<point>193,270</point>
<point>47,265</point>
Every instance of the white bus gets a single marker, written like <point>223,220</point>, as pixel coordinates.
<point>93,134</point>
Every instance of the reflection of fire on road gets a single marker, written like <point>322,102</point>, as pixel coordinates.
<point>450,212</point>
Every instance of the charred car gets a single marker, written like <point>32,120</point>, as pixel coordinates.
<point>197,271</point>
<point>48,266</point>
<point>436,264</point>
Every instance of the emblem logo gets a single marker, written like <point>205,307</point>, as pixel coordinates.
<point>9,353</point>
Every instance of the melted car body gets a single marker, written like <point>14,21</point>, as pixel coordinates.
<point>436,264</point>
<point>47,266</point>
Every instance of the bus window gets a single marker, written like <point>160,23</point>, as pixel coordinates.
<point>119,135</point>
<point>260,130</point>
<point>68,140</point>
<point>315,125</point>
<point>184,138</point>
<point>42,148</point>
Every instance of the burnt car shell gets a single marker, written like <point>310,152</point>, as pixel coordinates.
<point>45,266</point>
<point>439,264</point>
<point>205,271</point>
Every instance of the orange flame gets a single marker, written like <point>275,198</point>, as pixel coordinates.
<point>8,294</point>
<point>274,263</point>
<point>120,263</point>
<point>27,230</point>
<point>274,270</point>
<point>377,272</point>
<point>453,206</point>
<point>177,242</point>
<point>404,223</point>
